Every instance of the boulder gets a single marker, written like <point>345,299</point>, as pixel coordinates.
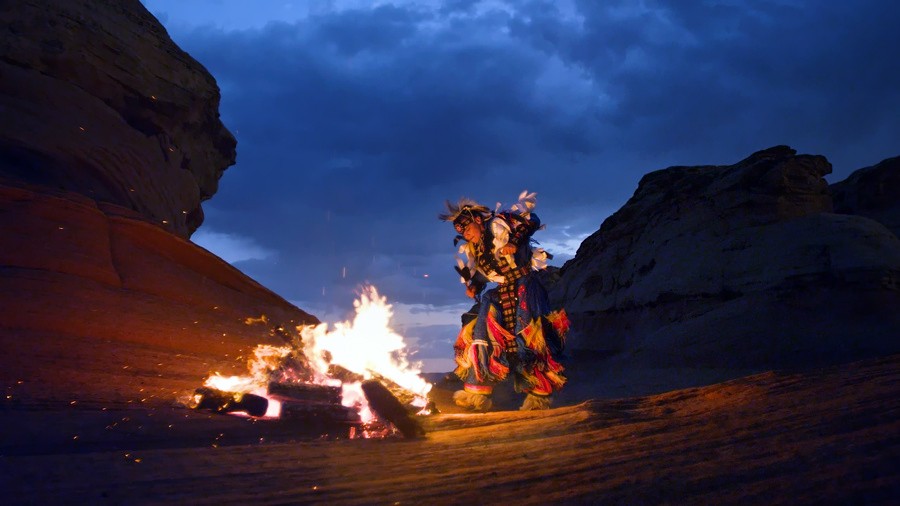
<point>98,100</point>
<point>744,266</point>
<point>873,192</point>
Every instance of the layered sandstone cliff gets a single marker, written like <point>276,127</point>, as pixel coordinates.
<point>109,142</point>
<point>97,100</point>
<point>739,266</point>
<point>873,192</point>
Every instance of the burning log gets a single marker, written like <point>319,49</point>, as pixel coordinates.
<point>388,407</point>
<point>229,402</point>
<point>317,404</point>
<point>343,374</point>
<point>403,395</point>
<point>305,392</point>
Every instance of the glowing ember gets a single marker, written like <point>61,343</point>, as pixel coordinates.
<point>366,347</point>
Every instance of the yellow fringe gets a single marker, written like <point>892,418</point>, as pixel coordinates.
<point>466,333</point>
<point>557,380</point>
<point>534,337</point>
<point>462,363</point>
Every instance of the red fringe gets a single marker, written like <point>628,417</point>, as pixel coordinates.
<point>560,321</point>
<point>542,385</point>
<point>498,370</point>
<point>499,335</point>
<point>553,365</point>
<point>478,389</point>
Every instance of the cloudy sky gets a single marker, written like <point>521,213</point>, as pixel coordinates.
<point>356,120</point>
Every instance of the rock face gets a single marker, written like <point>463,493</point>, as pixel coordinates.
<point>873,192</point>
<point>100,306</point>
<point>98,100</point>
<point>110,139</point>
<point>740,266</point>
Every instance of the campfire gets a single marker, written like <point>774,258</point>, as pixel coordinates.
<point>355,374</point>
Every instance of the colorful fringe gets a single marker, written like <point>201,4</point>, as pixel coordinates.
<point>487,352</point>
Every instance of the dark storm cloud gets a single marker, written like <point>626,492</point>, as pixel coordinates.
<point>706,82</point>
<point>422,108</point>
<point>349,148</point>
<point>355,125</point>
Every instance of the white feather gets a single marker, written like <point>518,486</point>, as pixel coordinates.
<point>527,202</point>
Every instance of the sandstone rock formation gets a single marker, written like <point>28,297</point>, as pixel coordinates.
<point>101,306</point>
<point>97,99</point>
<point>873,192</point>
<point>740,266</point>
<point>110,140</point>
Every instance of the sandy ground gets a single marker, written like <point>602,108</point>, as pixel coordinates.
<point>826,436</point>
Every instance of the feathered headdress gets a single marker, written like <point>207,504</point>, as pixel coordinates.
<point>462,213</point>
<point>465,210</point>
<point>526,203</point>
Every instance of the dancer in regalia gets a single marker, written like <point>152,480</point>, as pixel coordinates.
<point>515,332</point>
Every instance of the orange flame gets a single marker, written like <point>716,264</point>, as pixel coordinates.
<point>366,346</point>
